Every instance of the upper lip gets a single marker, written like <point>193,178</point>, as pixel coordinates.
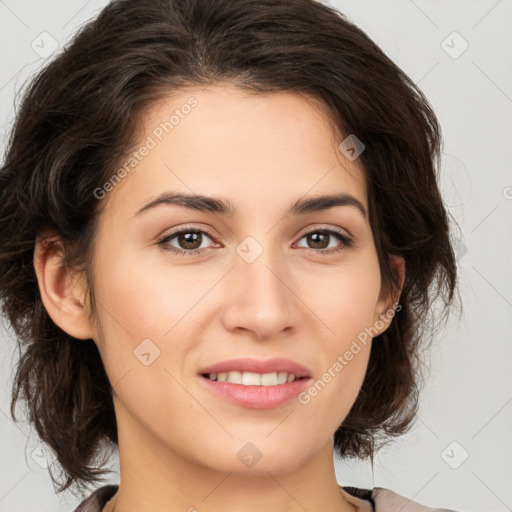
<point>258,366</point>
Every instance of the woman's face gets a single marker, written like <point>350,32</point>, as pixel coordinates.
<point>265,281</point>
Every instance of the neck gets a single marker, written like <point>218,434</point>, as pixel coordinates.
<point>153,477</point>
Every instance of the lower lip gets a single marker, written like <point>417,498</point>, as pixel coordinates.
<point>256,397</point>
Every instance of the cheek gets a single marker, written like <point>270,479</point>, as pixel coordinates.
<point>346,304</point>
<point>346,301</point>
<point>149,315</point>
<point>328,399</point>
<point>144,346</point>
<point>140,302</point>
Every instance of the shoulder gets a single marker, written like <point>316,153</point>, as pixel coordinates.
<point>97,500</point>
<point>385,500</point>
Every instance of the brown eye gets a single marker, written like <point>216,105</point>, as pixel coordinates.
<point>187,241</point>
<point>320,240</point>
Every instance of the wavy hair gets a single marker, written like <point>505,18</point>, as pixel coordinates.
<point>78,118</point>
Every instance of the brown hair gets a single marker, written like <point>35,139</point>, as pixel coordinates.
<point>79,117</point>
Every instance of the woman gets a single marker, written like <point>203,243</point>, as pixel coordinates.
<point>221,239</point>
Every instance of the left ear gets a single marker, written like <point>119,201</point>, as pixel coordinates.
<point>386,305</point>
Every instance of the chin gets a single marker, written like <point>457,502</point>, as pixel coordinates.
<point>258,457</point>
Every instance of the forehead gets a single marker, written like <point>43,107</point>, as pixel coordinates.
<point>249,147</point>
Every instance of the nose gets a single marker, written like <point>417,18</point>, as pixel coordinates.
<point>261,299</point>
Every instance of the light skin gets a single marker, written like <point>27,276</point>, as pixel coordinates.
<point>178,442</point>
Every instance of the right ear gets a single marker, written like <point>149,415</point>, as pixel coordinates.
<point>62,296</point>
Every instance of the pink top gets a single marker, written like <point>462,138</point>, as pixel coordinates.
<point>376,500</point>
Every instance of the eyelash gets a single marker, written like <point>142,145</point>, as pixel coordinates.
<point>346,241</point>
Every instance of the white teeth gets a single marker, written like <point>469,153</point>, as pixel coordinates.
<point>281,377</point>
<point>253,379</point>
<point>250,379</point>
<point>235,377</point>
<point>269,379</point>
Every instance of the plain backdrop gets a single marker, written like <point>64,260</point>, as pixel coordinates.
<point>458,454</point>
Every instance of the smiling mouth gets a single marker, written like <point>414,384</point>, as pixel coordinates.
<point>253,379</point>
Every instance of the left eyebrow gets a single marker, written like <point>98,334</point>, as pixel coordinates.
<point>224,207</point>
<point>326,202</point>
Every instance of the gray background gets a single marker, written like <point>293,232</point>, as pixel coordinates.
<point>459,451</point>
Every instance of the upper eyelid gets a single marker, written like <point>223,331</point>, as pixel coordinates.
<point>319,227</point>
